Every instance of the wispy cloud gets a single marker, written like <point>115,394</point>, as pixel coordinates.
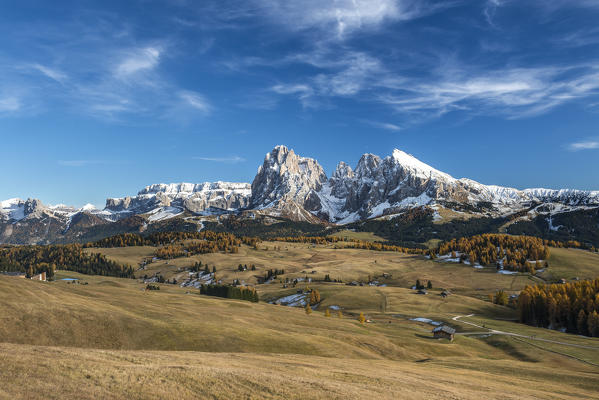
<point>230,159</point>
<point>138,60</point>
<point>196,101</point>
<point>590,144</point>
<point>51,73</point>
<point>345,76</point>
<point>303,92</point>
<point>383,125</point>
<point>9,104</point>
<point>490,9</point>
<point>340,18</point>
<point>108,81</point>
<point>512,92</point>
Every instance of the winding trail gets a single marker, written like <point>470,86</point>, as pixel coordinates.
<point>497,332</point>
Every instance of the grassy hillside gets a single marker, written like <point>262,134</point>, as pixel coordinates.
<point>364,236</point>
<point>109,338</point>
<point>282,347</point>
<point>304,261</point>
<point>571,263</point>
<point>93,374</point>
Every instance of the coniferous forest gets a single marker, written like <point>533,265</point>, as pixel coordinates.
<point>571,306</point>
<point>230,292</point>
<point>515,253</point>
<point>72,257</point>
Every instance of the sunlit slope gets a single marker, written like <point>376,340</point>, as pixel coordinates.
<point>33,372</point>
<point>303,260</point>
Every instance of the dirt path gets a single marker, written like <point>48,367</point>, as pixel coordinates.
<point>496,332</point>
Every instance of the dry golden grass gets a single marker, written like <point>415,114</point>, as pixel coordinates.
<point>448,215</point>
<point>365,236</point>
<point>571,263</point>
<point>111,339</point>
<point>304,260</point>
<point>34,372</point>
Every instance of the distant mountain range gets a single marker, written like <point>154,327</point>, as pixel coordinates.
<point>295,188</point>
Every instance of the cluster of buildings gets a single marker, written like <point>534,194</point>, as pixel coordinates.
<point>37,277</point>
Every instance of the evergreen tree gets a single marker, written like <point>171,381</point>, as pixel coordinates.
<point>327,313</point>
<point>593,324</point>
<point>429,285</point>
<point>308,309</point>
<point>581,322</point>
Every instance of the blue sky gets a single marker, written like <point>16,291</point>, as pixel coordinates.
<point>101,98</point>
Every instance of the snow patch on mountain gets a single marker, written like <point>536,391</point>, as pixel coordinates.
<point>12,209</point>
<point>163,213</point>
<point>198,198</point>
<point>288,185</point>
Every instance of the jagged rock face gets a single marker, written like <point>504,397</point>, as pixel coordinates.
<point>193,197</point>
<point>12,210</point>
<point>400,181</point>
<point>227,199</point>
<point>290,186</point>
<point>17,209</point>
<point>566,196</point>
<point>341,180</point>
<point>296,187</point>
<point>34,208</point>
<point>286,184</point>
<point>380,185</point>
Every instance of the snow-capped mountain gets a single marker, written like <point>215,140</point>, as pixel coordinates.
<point>290,186</point>
<point>167,200</point>
<point>16,210</point>
<point>386,186</point>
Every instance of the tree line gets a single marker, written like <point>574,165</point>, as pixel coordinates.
<point>195,247</point>
<point>349,243</point>
<point>179,244</point>
<point>515,253</point>
<point>571,306</point>
<point>72,257</point>
<point>164,238</point>
<point>230,292</point>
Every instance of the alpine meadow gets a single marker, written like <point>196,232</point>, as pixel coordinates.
<point>269,199</point>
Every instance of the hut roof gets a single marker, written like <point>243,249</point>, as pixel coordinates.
<point>444,328</point>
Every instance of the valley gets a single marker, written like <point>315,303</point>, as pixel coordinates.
<point>280,200</point>
<point>304,286</point>
<point>120,335</point>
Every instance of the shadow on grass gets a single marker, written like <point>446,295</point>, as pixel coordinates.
<point>430,337</point>
<point>503,344</point>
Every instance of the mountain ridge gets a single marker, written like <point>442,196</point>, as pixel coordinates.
<point>294,187</point>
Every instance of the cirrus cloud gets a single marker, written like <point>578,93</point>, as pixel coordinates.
<point>590,144</point>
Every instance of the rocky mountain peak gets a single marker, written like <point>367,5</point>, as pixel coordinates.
<point>413,166</point>
<point>34,208</point>
<point>296,187</point>
<point>286,180</point>
<point>343,171</point>
<point>367,165</point>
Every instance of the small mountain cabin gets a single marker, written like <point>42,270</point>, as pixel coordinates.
<point>444,332</point>
<point>39,277</point>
